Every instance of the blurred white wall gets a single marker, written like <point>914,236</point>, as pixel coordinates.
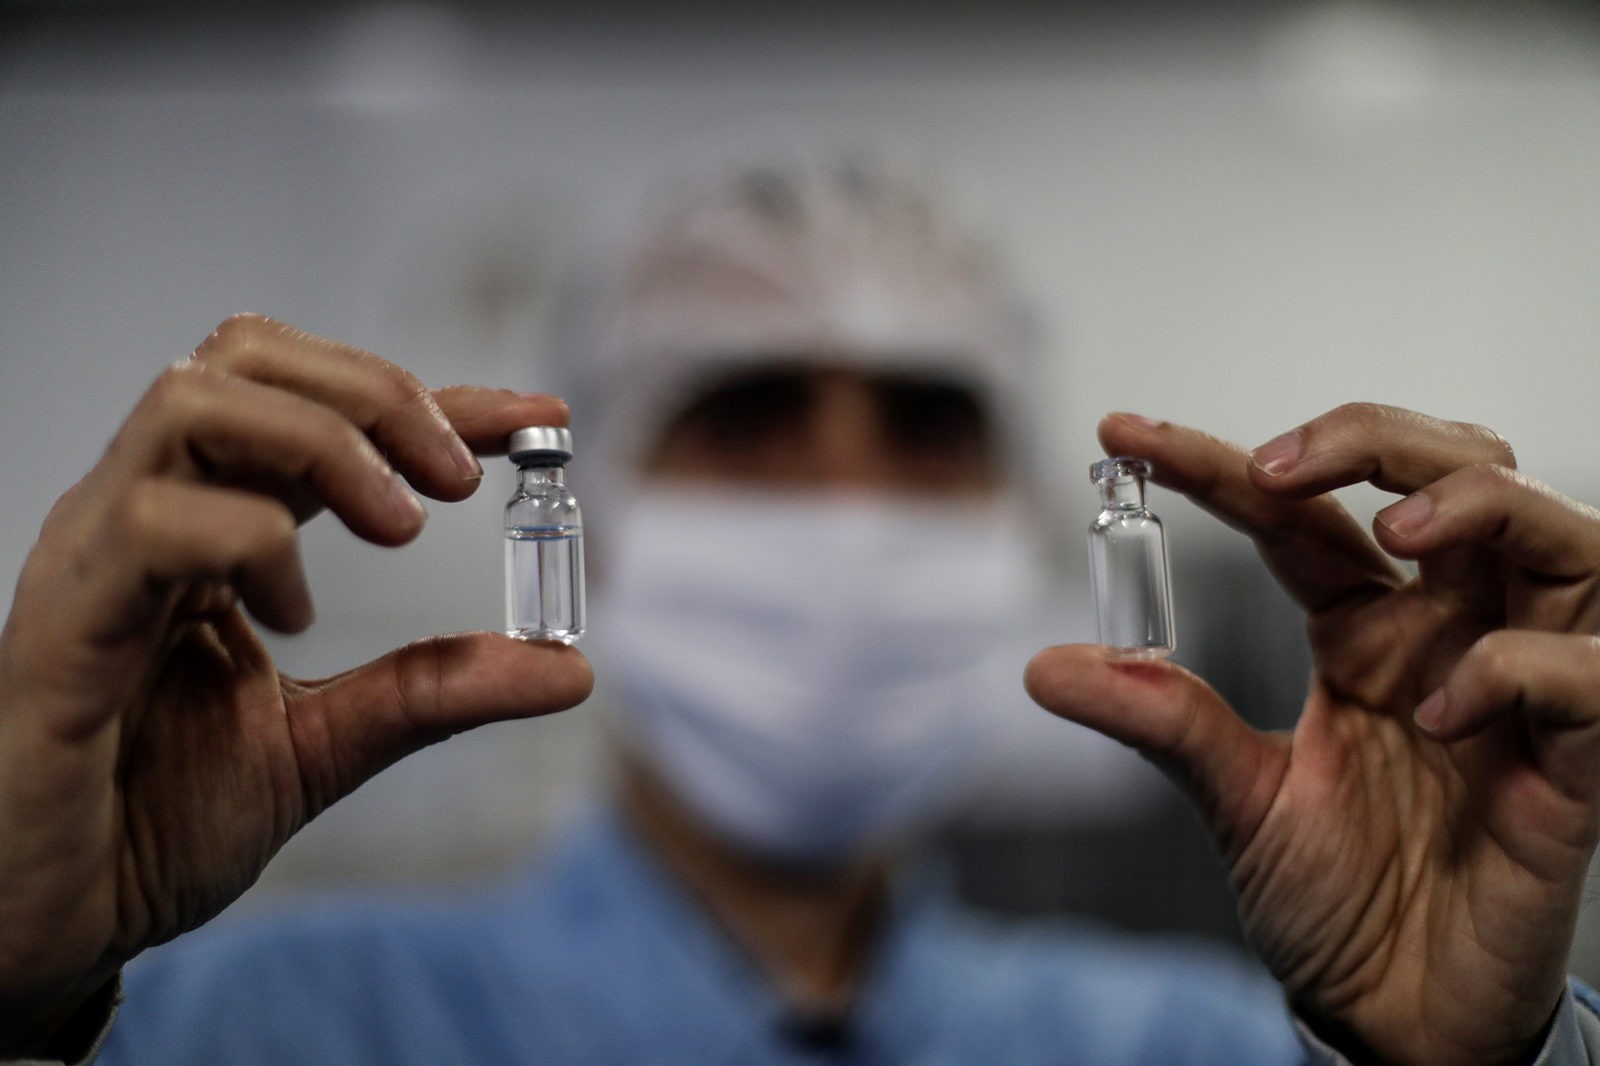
<point>1235,220</point>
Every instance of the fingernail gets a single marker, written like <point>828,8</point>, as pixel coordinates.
<point>1275,457</point>
<point>1431,711</point>
<point>1407,516</point>
<point>407,506</point>
<point>1139,420</point>
<point>466,462</point>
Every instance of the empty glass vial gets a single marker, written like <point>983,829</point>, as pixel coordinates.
<point>544,540</point>
<point>1128,554</point>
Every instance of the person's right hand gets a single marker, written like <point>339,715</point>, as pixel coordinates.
<point>152,758</point>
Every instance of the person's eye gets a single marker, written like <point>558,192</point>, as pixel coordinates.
<point>934,421</point>
<point>748,413</point>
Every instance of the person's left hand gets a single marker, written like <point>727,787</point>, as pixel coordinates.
<point>1411,858</point>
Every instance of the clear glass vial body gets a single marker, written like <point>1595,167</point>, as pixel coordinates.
<point>544,541</point>
<point>1128,556</point>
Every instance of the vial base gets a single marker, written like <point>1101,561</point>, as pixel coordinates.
<point>544,583</point>
<point>1137,654</point>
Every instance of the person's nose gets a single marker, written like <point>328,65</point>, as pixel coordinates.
<point>849,442</point>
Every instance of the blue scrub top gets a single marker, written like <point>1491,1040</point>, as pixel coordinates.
<point>600,956</point>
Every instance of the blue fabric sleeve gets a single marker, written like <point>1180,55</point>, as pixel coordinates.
<point>1574,1038</point>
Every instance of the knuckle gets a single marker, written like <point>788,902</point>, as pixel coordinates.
<point>272,531</point>
<point>244,331</point>
<point>402,386</point>
<point>346,440</point>
<point>1488,477</point>
<point>1357,416</point>
<point>142,512</point>
<point>1337,428</point>
<point>1491,656</point>
<point>63,512</point>
<point>247,320</point>
<point>345,456</point>
<point>172,381</point>
<point>1361,411</point>
<point>177,390</point>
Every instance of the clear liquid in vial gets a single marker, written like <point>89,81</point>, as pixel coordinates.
<point>1131,586</point>
<point>544,583</point>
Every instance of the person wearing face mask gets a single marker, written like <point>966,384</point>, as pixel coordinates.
<point>814,412</point>
<point>820,550</point>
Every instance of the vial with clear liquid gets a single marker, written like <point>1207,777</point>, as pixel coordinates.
<point>1128,555</point>
<point>544,540</point>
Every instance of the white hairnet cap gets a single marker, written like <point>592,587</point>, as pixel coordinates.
<point>833,262</point>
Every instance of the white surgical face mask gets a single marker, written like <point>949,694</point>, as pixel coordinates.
<point>807,672</point>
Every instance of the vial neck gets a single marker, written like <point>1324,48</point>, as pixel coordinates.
<point>538,474</point>
<point>1122,493</point>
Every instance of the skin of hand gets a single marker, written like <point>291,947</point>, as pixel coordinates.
<point>1410,859</point>
<point>154,757</point>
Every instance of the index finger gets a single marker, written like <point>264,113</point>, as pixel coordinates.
<point>486,418</point>
<point>383,400</point>
<point>1318,552</point>
<point>1395,449</point>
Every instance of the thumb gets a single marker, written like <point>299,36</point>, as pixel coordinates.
<point>359,722</point>
<point>1171,717</point>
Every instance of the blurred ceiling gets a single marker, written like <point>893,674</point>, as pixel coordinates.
<point>123,45</point>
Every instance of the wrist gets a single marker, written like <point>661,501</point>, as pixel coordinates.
<point>1336,1043</point>
<point>62,1026</point>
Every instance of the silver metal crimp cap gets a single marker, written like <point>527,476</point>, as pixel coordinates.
<point>541,442</point>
